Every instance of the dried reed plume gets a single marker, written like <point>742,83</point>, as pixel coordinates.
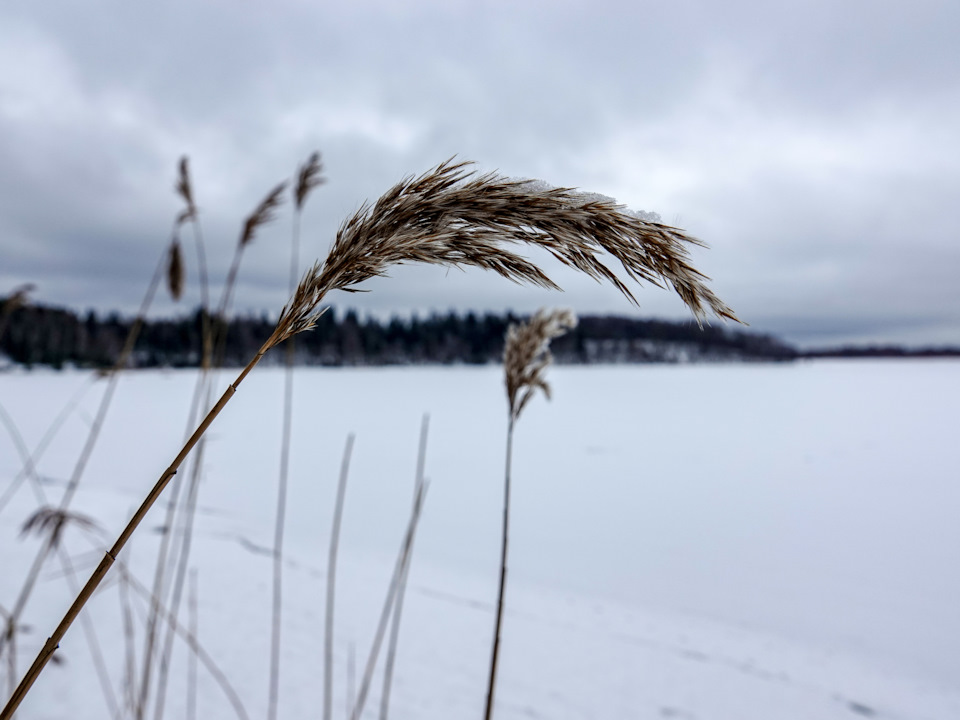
<point>308,178</point>
<point>175,271</point>
<point>448,216</point>
<point>526,356</point>
<point>51,521</point>
<point>265,213</point>
<point>16,299</point>
<point>184,190</point>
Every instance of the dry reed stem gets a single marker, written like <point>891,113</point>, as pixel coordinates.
<point>180,572</point>
<point>165,567</point>
<point>308,177</point>
<point>130,644</point>
<point>526,356</point>
<point>30,460</point>
<point>89,629</point>
<point>192,642</point>
<point>184,189</point>
<point>51,522</point>
<point>29,469</point>
<point>264,213</point>
<point>192,660</point>
<point>403,559</point>
<point>190,213</point>
<point>215,336</point>
<point>394,640</point>
<point>49,543</point>
<point>43,657</point>
<point>90,443</point>
<point>332,580</point>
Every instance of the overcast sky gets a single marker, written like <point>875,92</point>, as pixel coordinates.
<point>813,145</point>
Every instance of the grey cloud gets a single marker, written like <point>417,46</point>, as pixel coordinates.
<point>813,146</point>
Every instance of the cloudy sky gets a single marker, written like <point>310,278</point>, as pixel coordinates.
<point>813,145</point>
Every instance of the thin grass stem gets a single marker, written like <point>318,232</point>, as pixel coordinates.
<point>398,605</point>
<point>46,652</point>
<point>495,655</point>
<point>402,559</point>
<point>216,673</point>
<point>192,660</point>
<point>332,580</point>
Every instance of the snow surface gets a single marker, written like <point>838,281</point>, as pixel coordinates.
<point>729,542</point>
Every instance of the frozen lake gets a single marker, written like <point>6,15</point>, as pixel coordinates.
<point>728,541</point>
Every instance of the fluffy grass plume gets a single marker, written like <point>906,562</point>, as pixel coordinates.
<point>526,355</point>
<point>308,177</point>
<point>264,213</point>
<point>453,217</point>
<point>175,271</point>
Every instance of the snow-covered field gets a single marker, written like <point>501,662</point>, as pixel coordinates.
<point>735,542</point>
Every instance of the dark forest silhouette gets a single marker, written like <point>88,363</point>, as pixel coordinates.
<point>38,335</point>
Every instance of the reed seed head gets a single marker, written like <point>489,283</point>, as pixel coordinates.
<point>51,521</point>
<point>175,270</point>
<point>185,190</point>
<point>526,355</point>
<point>452,217</point>
<point>265,212</point>
<point>308,177</point>
<point>18,298</point>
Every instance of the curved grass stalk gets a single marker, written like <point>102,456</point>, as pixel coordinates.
<point>398,605</point>
<point>308,178</point>
<point>29,464</point>
<point>332,580</point>
<point>92,437</point>
<point>11,618</point>
<point>178,565</point>
<point>191,640</point>
<point>403,559</point>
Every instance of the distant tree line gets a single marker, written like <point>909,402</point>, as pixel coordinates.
<point>38,335</point>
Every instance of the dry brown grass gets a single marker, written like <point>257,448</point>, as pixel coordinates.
<point>452,217</point>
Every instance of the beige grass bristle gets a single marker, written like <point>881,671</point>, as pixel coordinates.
<point>175,271</point>
<point>265,212</point>
<point>308,177</point>
<point>526,355</point>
